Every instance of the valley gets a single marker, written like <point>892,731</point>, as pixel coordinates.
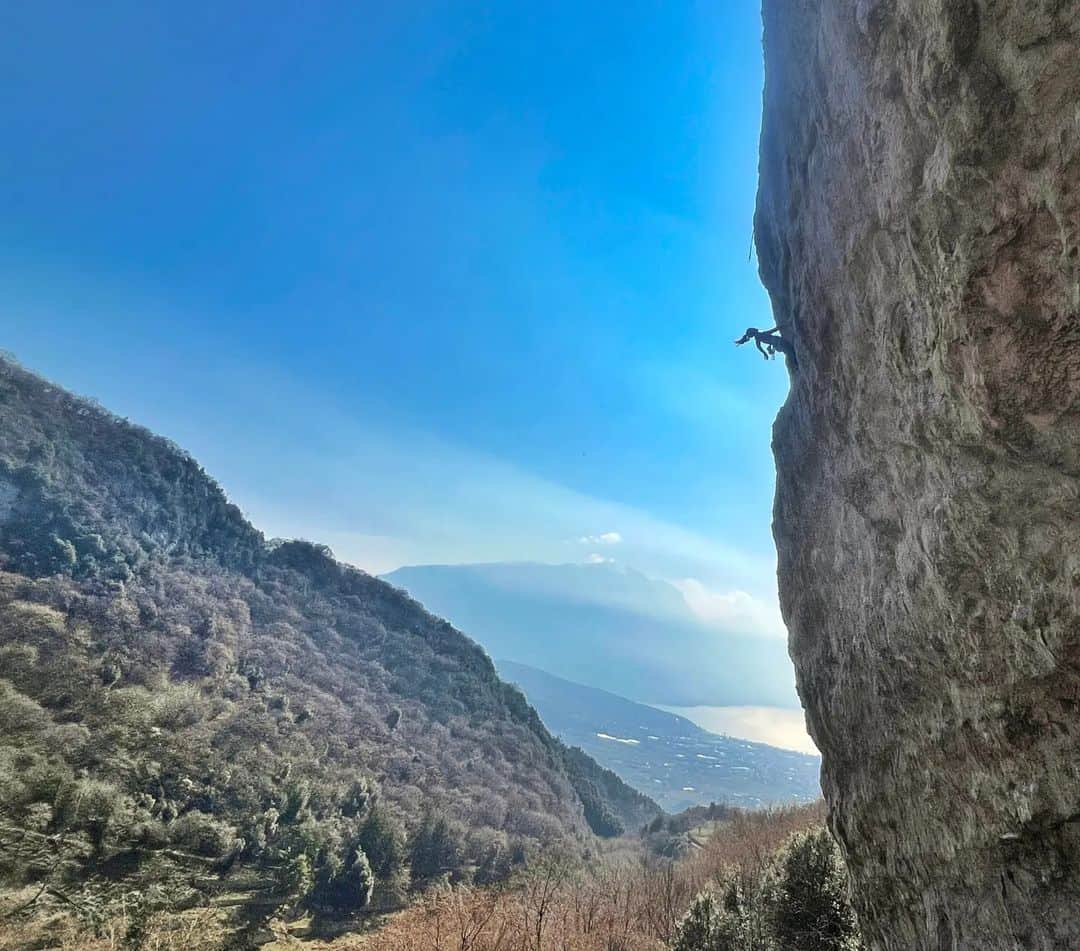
<point>664,755</point>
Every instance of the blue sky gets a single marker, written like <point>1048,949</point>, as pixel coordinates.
<point>431,282</point>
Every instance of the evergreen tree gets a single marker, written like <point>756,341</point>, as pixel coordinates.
<point>383,842</point>
<point>344,888</point>
<point>436,848</point>
<point>810,908</point>
<point>707,927</point>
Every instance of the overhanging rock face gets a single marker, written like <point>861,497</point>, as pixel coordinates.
<point>918,227</point>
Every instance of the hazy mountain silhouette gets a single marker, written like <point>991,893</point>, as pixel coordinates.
<point>605,626</point>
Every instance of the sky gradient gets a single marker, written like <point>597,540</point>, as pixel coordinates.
<point>428,282</point>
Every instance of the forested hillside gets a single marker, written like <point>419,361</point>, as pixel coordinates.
<point>186,706</point>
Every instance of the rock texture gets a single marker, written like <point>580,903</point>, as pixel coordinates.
<point>918,228</point>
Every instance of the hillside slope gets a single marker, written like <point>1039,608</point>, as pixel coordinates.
<point>673,760</point>
<point>918,228</point>
<point>175,693</point>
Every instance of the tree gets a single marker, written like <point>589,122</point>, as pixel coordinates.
<point>382,840</point>
<point>357,798</point>
<point>436,848</point>
<point>599,815</point>
<point>344,888</point>
<point>89,805</point>
<point>706,927</point>
<point>810,908</point>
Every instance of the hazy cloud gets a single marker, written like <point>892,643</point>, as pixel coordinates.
<point>607,538</point>
<point>735,611</point>
<point>597,559</point>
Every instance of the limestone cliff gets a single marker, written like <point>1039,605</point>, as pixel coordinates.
<point>918,228</point>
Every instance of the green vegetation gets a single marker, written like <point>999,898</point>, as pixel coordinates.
<point>797,902</point>
<point>725,894</point>
<point>610,805</point>
<point>192,713</point>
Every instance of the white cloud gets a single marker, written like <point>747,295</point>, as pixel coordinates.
<point>734,611</point>
<point>606,538</point>
<point>597,559</point>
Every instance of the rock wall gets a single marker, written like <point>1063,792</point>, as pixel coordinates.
<point>918,228</point>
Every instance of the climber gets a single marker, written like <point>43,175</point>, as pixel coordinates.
<point>772,342</point>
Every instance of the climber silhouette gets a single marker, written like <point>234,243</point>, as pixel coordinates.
<point>772,342</point>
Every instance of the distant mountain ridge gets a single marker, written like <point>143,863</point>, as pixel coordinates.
<point>605,626</point>
<point>673,760</point>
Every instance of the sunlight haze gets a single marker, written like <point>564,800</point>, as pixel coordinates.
<point>427,288</point>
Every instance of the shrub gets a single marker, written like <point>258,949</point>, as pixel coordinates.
<point>19,715</point>
<point>91,806</point>
<point>176,707</point>
<point>197,832</point>
<point>18,660</point>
